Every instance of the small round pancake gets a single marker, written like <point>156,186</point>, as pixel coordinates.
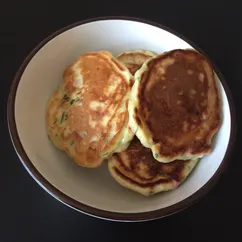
<point>133,60</point>
<point>88,114</point>
<point>136,169</point>
<point>174,106</point>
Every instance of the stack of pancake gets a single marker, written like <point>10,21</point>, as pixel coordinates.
<point>151,116</point>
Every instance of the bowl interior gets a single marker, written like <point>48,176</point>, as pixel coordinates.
<point>96,187</point>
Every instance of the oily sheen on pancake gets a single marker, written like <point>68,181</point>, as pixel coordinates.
<point>133,60</point>
<point>136,169</point>
<point>88,114</point>
<point>174,106</point>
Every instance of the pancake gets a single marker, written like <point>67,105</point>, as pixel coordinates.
<point>133,60</point>
<point>137,170</point>
<point>174,106</point>
<point>88,114</point>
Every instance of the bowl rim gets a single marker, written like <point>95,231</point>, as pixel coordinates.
<point>86,209</point>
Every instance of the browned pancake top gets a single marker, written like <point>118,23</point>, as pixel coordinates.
<point>174,101</point>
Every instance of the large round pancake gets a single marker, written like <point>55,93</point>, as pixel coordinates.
<point>174,106</point>
<point>136,169</point>
<point>133,60</point>
<point>88,114</point>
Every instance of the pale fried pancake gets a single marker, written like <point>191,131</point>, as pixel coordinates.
<point>133,60</point>
<point>174,106</point>
<point>136,169</point>
<point>88,114</point>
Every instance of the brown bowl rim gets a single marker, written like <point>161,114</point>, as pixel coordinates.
<point>114,216</point>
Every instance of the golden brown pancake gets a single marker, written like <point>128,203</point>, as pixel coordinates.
<point>133,60</point>
<point>136,169</point>
<point>174,106</point>
<point>87,115</point>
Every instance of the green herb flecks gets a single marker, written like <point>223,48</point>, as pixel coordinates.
<point>65,98</point>
<point>71,142</point>
<point>64,116</point>
<point>183,179</point>
<point>76,100</point>
<point>83,134</point>
<point>156,155</point>
<point>105,154</point>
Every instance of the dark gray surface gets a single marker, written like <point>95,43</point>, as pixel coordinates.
<point>28,213</point>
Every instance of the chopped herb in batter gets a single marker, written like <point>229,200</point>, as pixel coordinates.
<point>71,143</point>
<point>64,116</point>
<point>65,98</point>
<point>76,100</point>
<point>156,155</point>
<point>83,134</point>
<point>72,101</point>
<point>184,178</point>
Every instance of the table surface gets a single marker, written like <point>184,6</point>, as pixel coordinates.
<point>28,213</point>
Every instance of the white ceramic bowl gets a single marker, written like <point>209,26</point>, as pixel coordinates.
<point>94,191</point>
